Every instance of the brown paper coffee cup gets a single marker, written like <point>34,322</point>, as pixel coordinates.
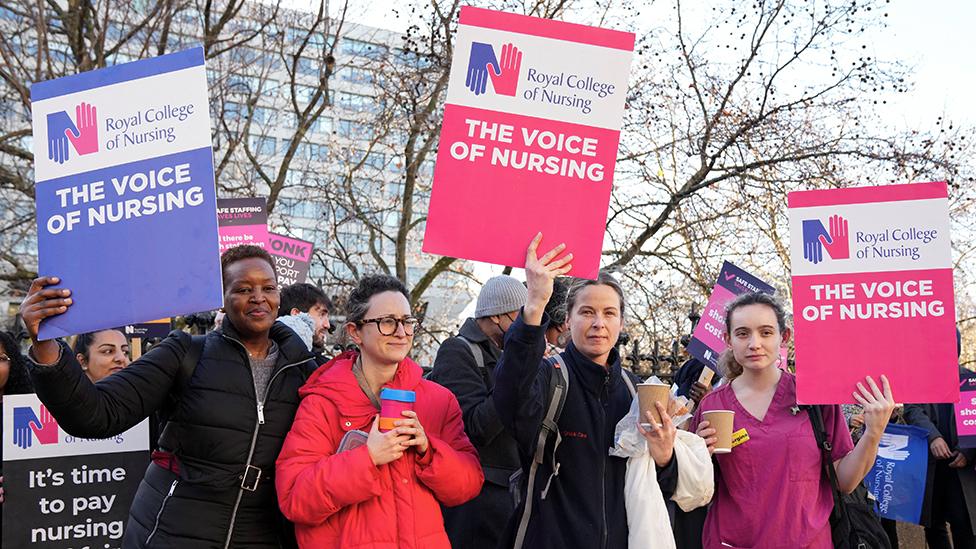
<point>648,394</point>
<point>721,421</point>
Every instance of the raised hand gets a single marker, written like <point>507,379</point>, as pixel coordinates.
<point>813,231</point>
<point>86,140</point>
<point>839,245</point>
<point>58,126</point>
<point>482,56</point>
<point>540,272</point>
<point>878,403</point>
<point>505,81</point>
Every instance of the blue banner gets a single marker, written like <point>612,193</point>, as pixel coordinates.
<point>126,205</point>
<point>897,479</point>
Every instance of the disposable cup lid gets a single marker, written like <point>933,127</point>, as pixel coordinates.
<point>397,394</point>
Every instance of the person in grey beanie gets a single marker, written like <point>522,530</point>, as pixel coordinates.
<point>465,364</point>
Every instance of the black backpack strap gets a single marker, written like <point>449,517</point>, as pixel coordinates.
<point>189,363</point>
<point>827,465</point>
<point>558,389</point>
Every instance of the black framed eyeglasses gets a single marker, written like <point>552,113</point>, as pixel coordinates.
<point>387,325</point>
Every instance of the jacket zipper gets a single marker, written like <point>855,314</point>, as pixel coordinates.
<point>172,488</point>
<point>603,462</point>
<point>254,435</point>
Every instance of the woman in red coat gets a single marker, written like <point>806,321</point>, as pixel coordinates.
<point>387,492</point>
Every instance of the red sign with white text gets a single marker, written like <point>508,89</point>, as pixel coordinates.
<point>873,293</point>
<point>529,139</point>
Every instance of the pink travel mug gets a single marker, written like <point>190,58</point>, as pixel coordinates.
<point>393,403</point>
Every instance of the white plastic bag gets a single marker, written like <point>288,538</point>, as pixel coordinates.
<point>647,514</point>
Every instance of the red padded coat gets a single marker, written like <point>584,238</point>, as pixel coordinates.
<point>344,500</point>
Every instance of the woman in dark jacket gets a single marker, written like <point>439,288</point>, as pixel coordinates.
<point>210,484</point>
<point>579,500</point>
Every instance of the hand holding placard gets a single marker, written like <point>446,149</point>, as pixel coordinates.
<point>38,305</point>
<point>540,272</point>
<point>878,403</point>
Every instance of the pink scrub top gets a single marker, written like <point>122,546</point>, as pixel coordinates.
<point>769,490</point>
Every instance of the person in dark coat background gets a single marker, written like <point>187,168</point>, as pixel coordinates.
<point>952,497</point>
<point>211,482</point>
<point>478,523</point>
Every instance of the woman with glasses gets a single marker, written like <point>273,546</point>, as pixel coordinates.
<point>344,488</point>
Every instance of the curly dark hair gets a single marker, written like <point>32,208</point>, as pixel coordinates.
<point>19,382</point>
<point>358,302</point>
<point>238,253</point>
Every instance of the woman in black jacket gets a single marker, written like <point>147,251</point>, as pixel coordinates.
<point>578,500</point>
<point>210,484</point>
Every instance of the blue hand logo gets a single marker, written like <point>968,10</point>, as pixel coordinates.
<point>813,229</point>
<point>57,140</point>
<point>482,57</point>
<point>23,417</point>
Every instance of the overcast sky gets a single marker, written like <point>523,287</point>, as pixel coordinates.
<point>936,37</point>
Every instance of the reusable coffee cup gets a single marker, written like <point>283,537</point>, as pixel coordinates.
<point>393,402</point>
<point>648,394</point>
<point>721,421</point>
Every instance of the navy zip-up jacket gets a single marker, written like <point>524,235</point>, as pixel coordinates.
<point>585,503</point>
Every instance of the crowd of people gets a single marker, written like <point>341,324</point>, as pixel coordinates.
<point>516,438</point>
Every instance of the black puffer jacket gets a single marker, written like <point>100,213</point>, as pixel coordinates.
<point>216,433</point>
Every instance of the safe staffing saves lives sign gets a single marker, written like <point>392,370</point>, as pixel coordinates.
<point>872,292</point>
<point>529,139</point>
<point>126,205</point>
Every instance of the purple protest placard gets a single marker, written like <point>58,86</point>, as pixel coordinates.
<point>123,162</point>
<point>242,221</point>
<point>292,257</point>
<point>707,341</point>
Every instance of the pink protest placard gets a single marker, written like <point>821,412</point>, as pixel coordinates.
<point>242,221</point>
<point>291,256</point>
<point>966,410</point>
<point>707,341</point>
<point>872,292</point>
<point>529,139</point>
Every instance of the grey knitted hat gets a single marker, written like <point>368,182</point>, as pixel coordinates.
<point>501,294</point>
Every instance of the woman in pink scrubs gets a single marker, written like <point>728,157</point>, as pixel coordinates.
<point>769,490</point>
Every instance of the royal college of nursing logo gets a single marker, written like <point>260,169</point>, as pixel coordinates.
<point>503,72</point>
<point>81,133</point>
<point>816,238</point>
<point>28,426</point>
